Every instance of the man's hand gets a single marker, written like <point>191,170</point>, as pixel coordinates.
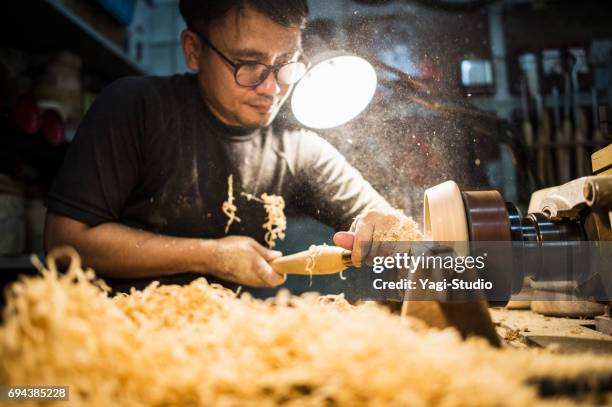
<point>359,238</point>
<point>242,260</point>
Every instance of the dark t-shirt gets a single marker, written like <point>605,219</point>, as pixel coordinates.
<point>150,154</point>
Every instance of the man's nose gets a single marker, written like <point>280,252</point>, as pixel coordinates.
<point>270,86</point>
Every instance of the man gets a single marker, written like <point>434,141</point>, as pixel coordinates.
<point>141,189</point>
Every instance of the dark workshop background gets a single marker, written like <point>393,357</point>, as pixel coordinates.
<point>505,77</point>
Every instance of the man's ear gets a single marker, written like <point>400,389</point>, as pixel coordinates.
<point>191,50</point>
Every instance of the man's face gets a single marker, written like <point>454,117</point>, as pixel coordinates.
<point>245,36</point>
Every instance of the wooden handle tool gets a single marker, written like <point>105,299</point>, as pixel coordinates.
<point>317,261</point>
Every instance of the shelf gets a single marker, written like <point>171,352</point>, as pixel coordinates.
<point>489,103</point>
<point>47,26</point>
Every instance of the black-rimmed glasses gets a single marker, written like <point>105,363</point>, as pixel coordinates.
<point>251,74</point>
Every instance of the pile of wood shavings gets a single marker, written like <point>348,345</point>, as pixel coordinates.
<point>203,345</point>
<point>401,228</point>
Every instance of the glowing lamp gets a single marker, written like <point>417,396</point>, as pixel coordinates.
<point>333,91</point>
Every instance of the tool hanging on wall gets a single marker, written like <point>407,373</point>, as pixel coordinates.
<point>580,121</point>
<point>552,80</point>
<point>561,151</point>
<point>542,143</point>
<point>546,170</point>
<point>598,137</point>
<point>526,125</point>
<point>564,160</point>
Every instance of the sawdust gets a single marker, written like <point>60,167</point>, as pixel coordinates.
<point>230,262</point>
<point>201,344</point>
<point>228,207</point>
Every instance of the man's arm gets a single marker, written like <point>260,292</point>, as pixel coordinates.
<point>342,197</point>
<point>336,192</point>
<point>119,251</point>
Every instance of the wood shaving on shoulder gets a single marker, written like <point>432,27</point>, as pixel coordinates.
<point>203,344</point>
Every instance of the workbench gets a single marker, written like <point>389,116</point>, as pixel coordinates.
<point>525,328</point>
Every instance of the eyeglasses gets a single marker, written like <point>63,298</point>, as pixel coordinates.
<point>252,74</point>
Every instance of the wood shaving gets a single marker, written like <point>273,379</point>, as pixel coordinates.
<point>228,207</point>
<point>313,251</point>
<point>276,222</point>
<point>577,331</point>
<point>202,345</point>
<point>512,335</point>
<point>402,229</point>
<point>311,261</point>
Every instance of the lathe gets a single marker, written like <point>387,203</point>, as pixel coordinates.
<point>557,218</point>
<point>572,218</point>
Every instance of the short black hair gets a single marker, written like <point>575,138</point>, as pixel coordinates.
<point>200,13</point>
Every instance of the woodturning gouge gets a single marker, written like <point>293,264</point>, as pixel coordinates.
<point>316,261</point>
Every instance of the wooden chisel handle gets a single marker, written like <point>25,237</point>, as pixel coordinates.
<point>321,259</point>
